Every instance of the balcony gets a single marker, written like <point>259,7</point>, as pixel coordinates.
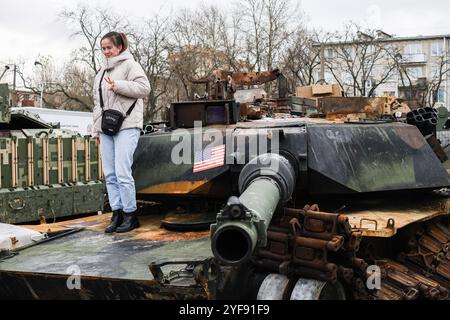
<point>416,58</point>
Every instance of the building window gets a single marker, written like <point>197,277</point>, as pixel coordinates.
<point>371,49</point>
<point>435,72</point>
<point>369,83</point>
<point>347,78</point>
<point>413,48</point>
<point>439,96</point>
<point>329,53</point>
<point>349,53</point>
<point>329,77</point>
<point>414,73</point>
<point>389,93</point>
<point>437,49</point>
<point>317,76</point>
<point>393,75</point>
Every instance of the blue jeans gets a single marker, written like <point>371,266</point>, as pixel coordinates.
<point>117,159</point>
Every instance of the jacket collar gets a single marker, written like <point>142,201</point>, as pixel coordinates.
<point>111,63</point>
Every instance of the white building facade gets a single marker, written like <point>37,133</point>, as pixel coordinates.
<point>421,58</point>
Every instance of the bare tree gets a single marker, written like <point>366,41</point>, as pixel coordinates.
<point>423,91</point>
<point>277,31</point>
<point>233,42</point>
<point>267,25</point>
<point>203,40</point>
<point>302,58</point>
<point>90,25</point>
<point>360,61</point>
<point>150,45</point>
<point>182,57</point>
<point>253,24</point>
<point>68,87</point>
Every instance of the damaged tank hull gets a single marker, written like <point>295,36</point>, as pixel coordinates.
<point>330,159</point>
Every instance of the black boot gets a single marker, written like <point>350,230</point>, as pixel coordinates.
<point>116,220</point>
<point>129,223</point>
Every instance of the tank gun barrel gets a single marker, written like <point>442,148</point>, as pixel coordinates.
<point>242,224</point>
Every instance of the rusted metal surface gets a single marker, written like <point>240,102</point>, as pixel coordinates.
<point>390,292</point>
<point>386,222</point>
<point>149,230</point>
<point>246,78</point>
<point>312,244</point>
<point>421,272</point>
<point>431,244</point>
<point>179,187</point>
<point>317,245</point>
<point>108,264</point>
<point>195,274</point>
<point>443,269</point>
<point>110,256</point>
<point>304,243</point>
<point>412,284</point>
<point>429,251</point>
<point>359,108</point>
<point>65,225</point>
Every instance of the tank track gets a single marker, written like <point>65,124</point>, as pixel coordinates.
<point>312,244</point>
<point>423,271</point>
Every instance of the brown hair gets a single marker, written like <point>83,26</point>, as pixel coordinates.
<point>118,39</point>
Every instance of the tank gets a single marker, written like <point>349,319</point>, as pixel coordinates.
<point>314,207</point>
<point>281,208</point>
<point>376,181</point>
<point>46,173</point>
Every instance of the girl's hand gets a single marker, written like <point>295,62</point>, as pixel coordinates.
<point>97,140</point>
<point>111,83</point>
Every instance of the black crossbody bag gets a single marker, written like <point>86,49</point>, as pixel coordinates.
<point>112,119</point>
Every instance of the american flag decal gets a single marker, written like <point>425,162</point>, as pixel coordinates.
<point>209,158</point>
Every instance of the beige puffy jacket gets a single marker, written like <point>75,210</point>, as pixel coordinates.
<point>131,84</point>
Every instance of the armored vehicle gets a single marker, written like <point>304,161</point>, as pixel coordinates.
<point>46,172</point>
<point>375,182</point>
<point>278,208</point>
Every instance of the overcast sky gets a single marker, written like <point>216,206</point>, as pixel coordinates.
<point>32,28</point>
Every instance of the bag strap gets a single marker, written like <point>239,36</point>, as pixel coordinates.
<point>131,108</point>
<point>102,104</point>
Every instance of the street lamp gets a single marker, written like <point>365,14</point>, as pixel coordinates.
<point>6,69</point>
<point>37,63</point>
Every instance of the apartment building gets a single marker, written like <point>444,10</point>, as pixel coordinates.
<point>420,57</point>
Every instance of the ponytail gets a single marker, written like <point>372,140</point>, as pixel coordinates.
<point>118,39</point>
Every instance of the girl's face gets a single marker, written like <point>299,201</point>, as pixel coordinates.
<point>109,49</point>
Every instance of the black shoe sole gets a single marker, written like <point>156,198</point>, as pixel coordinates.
<point>129,229</point>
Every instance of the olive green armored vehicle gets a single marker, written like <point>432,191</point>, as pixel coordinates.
<point>46,173</point>
<point>281,208</point>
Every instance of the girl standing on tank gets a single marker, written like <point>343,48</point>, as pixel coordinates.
<point>120,84</point>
